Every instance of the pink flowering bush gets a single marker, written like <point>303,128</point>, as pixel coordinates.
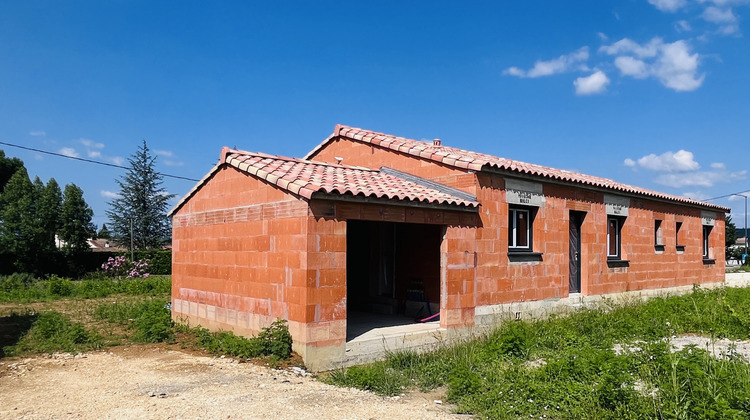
<point>122,267</point>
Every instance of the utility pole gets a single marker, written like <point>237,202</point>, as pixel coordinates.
<point>132,251</point>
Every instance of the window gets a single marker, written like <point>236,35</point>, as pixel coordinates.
<point>706,234</point>
<point>658,237</point>
<point>613,238</point>
<point>658,240</point>
<point>519,229</point>
<point>678,241</point>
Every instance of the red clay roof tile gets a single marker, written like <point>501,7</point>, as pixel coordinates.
<point>465,159</point>
<point>305,178</point>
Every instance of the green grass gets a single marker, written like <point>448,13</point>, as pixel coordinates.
<point>565,367</point>
<point>24,288</point>
<point>52,332</point>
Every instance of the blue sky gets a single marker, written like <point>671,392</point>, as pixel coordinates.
<point>647,92</point>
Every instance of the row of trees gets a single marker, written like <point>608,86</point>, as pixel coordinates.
<point>42,227</point>
<point>33,215</point>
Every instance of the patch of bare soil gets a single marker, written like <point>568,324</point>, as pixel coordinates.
<point>152,381</point>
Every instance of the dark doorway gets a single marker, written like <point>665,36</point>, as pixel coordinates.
<point>575,222</point>
<point>392,275</point>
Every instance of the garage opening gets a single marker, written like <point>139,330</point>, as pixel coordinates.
<point>393,275</point>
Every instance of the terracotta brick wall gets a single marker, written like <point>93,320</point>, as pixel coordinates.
<point>240,256</point>
<point>476,267</point>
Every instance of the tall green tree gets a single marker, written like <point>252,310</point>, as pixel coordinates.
<point>8,167</point>
<point>48,206</point>
<point>104,232</point>
<point>18,229</point>
<point>730,231</point>
<point>75,227</point>
<point>143,204</point>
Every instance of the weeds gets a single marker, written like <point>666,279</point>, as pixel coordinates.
<point>150,320</point>
<point>53,331</point>
<point>26,288</point>
<point>565,367</point>
<point>273,341</point>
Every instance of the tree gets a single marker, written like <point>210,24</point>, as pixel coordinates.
<point>48,208</point>
<point>143,204</point>
<point>730,232</point>
<point>8,167</point>
<point>104,232</point>
<point>18,227</point>
<point>76,215</point>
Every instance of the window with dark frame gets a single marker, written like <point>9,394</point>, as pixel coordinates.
<point>706,247</point>
<point>519,229</point>
<point>678,243</point>
<point>658,239</point>
<point>613,238</point>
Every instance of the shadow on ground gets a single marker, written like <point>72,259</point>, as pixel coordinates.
<point>12,328</point>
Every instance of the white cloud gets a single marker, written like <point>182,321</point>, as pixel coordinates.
<point>714,14</point>
<point>173,163</point>
<point>69,152</point>
<point>593,84</point>
<point>94,154</point>
<point>37,133</point>
<point>633,67</point>
<point>165,153</point>
<point>683,26</point>
<point>679,161</point>
<point>670,63</point>
<point>700,179</point>
<point>668,5</point>
<point>573,61</point>
<point>90,143</point>
<point>109,194</point>
<point>628,46</point>
<point>695,195</point>
<point>677,68</point>
<point>602,36</point>
<point>718,165</point>
<point>116,160</point>
<point>629,162</point>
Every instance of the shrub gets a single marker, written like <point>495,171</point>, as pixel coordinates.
<point>274,341</point>
<point>153,323</point>
<point>59,286</point>
<point>150,320</point>
<point>121,267</point>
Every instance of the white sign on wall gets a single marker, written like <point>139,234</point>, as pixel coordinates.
<point>709,218</point>
<point>616,205</point>
<point>525,193</point>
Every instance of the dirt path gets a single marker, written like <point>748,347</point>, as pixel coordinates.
<point>158,382</point>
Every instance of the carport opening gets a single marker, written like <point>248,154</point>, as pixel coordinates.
<point>392,276</point>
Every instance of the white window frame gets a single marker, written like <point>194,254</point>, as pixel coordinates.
<point>513,213</point>
<point>618,238</point>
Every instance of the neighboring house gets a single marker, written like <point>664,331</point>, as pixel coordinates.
<point>379,224</point>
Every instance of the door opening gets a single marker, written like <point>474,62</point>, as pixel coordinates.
<point>575,222</point>
<point>392,274</point>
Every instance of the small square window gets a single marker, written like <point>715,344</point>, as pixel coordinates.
<point>613,238</point>
<point>519,229</point>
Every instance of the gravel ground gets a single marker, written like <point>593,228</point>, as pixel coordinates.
<point>159,382</point>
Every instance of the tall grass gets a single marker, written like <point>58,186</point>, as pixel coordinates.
<point>26,288</point>
<point>566,367</point>
<point>51,332</point>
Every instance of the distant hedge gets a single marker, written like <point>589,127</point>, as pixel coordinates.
<point>160,262</point>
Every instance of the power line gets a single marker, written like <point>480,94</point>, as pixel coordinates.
<point>727,195</point>
<point>93,161</point>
